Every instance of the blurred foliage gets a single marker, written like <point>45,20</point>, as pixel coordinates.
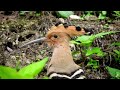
<point>86,41</point>
<point>114,73</point>
<point>27,72</point>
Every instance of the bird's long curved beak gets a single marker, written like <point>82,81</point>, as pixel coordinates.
<point>40,40</point>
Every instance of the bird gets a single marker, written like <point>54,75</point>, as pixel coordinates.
<point>62,65</point>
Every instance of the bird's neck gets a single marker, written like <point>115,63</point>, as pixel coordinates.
<point>62,60</point>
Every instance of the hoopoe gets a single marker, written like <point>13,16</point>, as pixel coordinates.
<point>61,65</point>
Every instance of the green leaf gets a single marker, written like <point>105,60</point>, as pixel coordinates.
<point>100,53</point>
<point>101,16</point>
<point>94,50</point>
<point>117,52</point>
<point>87,40</point>
<point>93,63</point>
<point>104,33</point>
<point>83,38</point>
<point>64,14</point>
<point>114,72</point>
<point>104,12</point>
<point>117,13</point>
<point>115,44</point>
<point>33,69</point>
<point>9,73</point>
<point>37,14</point>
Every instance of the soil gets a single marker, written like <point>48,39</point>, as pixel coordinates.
<point>16,30</point>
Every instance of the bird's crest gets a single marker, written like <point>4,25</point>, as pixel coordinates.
<point>69,30</point>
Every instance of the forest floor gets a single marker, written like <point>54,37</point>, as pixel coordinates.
<point>16,30</point>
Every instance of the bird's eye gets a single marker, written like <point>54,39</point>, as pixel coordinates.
<point>78,28</point>
<point>55,36</point>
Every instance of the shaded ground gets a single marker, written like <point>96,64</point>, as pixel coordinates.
<point>16,30</point>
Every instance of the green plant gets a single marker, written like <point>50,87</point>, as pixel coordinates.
<point>117,14</point>
<point>115,44</point>
<point>102,15</point>
<point>93,63</point>
<point>115,73</point>
<point>94,50</point>
<point>64,14</point>
<point>27,72</point>
<point>115,53</point>
<point>86,15</point>
<point>86,41</point>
